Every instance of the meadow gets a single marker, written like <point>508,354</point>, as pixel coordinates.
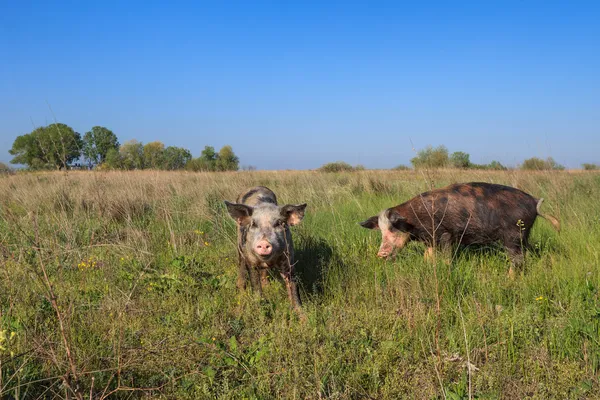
<point>122,285</point>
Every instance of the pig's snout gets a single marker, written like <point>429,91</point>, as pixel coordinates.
<point>383,254</point>
<point>263,248</point>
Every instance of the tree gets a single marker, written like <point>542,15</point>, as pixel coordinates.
<point>153,155</point>
<point>208,159</point>
<point>590,167</point>
<point>132,155</point>
<point>96,144</point>
<point>175,158</point>
<point>53,146</point>
<point>431,158</point>
<point>460,159</point>
<point>536,163</point>
<point>113,160</point>
<point>206,162</point>
<point>227,160</point>
<point>26,150</point>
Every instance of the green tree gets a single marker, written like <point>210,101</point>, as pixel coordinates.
<point>175,158</point>
<point>113,160</point>
<point>460,159</point>
<point>153,155</point>
<point>226,160</point>
<point>53,146</point>
<point>96,144</point>
<point>431,158</point>
<point>132,155</point>
<point>208,159</point>
<point>590,167</point>
<point>26,150</point>
<point>206,162</point>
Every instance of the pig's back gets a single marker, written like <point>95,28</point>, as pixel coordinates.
<point>256,196</point>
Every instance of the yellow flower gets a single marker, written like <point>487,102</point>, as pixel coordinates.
<point>539,298</point>
<point>206,244</point>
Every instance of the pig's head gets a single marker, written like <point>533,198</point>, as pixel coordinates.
<point>264,228</point>
<point>394,231</point>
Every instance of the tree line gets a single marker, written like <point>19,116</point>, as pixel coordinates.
<point>439,157</point>
<point>58,146</point>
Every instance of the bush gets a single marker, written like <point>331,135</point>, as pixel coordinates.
<point>496,165</point>
<point>338,166</point>
<point>431,158</point>
<point>590,167</point>
<point>460,159</point>
<point>538,164</point>
<point>401,167</point>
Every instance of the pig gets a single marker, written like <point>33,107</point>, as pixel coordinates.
<point>464,213</point>
<point>264,240</point>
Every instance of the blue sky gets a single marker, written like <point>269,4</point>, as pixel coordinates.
<point>298,84</point>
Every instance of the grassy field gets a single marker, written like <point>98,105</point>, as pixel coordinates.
<point>122,285</point>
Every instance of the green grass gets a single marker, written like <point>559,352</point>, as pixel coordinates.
<point>143,267</point>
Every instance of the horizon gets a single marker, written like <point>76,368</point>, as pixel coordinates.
<point>298,86</point>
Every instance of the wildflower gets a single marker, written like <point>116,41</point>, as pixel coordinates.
<point>539,298</point>
<point>206,244</point>
<point>213,339</point>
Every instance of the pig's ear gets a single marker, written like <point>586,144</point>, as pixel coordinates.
<point>398,221</point>
<point>371,223</point>
<point>240,212</point>
<point>293,214</point>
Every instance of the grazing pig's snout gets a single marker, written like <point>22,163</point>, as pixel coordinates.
<point>263,248</point>
<point>383,254</point>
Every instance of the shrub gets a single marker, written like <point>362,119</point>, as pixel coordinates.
<point>590,167</point>
<point>401,167</point>
<point>536,163</point>
<point>460,159</point>
<point>337,166</point>
<point>496,165</point>
<point>431,158</point>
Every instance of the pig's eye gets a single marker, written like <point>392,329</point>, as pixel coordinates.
<point>278,224</point>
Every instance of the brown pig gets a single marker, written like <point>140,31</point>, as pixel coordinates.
<point>463,213</point>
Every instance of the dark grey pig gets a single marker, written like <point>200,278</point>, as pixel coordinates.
<point>464,213</point>
<point>264,238</point>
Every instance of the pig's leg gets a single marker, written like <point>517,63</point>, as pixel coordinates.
<point>445,247</point>
<point>429,255</point>
<point>288,276</point>
<point>516,253</point>
<point>264,277</point>
<point>255,279</point>
<point>242,273</point>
